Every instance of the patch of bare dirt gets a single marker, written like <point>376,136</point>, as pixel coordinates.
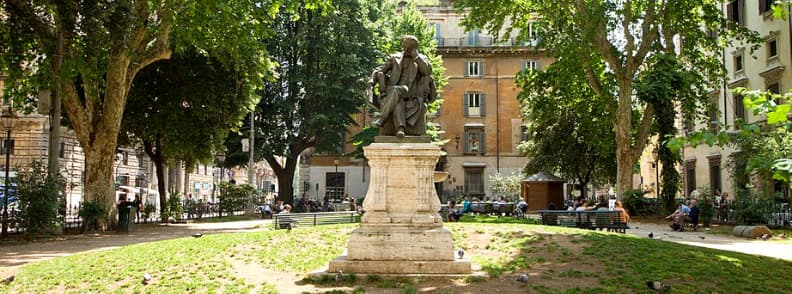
<point>554,261</point>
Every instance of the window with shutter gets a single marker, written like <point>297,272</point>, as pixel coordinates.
<point>473,68</point>
<point>765,6</point>
<point>739,107</point>
<point>530,64</point>
<point>690,176</point>
<point>474,140</point>
<point>8,146</point>
<point>775,88</point>
<point>465,106</point>
<point>474,181</point>
<point>772,48</point>
<point>474,104</point>
<point>482,104</point>
<point>735,11</point>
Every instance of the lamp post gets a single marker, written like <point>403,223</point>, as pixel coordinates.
<point>335,179</point>
<point>8,118</point>
<point>655,152</point>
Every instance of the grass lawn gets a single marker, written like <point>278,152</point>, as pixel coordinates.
<point>557,260</point>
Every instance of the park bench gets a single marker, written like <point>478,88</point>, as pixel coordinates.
<point>610,220</point>
<point>290,220</point>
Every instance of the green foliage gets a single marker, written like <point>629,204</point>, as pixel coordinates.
<point>38,199</point>
<point>182,109</point>
<point>637,203</point>
<point>507,186</point>
<point>322,58</point>
<point>751,208</point>
<point>706,204</point>
<point>569,128</point>
<point>233,197</point>
<point>612,42</point>
<point>173,208</point>
<point>765,145</point>
<point>665,85</point>
<point>92,214</point>
<point>148,209</point>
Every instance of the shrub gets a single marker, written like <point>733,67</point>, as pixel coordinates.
<point>148,209</point>
<point>706,205</point>
<point>173,208</point>
<point>233,197</point>
<point>751,208</point>
<point>38,200</point>
<point>91,213</point>
<point>635,203</point>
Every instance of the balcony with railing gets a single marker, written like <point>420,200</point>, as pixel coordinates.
<point>482,41</point>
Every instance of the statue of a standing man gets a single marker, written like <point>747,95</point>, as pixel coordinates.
<point>406,87</point>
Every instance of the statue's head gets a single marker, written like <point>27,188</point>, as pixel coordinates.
<point>409,42</point>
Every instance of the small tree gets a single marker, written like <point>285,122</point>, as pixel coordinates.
<point>505,186</point>
<point>38,199</point>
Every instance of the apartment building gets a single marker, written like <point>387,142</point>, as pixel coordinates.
<point>480,114</point>
<point>767,68</point>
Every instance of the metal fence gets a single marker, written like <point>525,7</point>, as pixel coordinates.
<point>71,221</point>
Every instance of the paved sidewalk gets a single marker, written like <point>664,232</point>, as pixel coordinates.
<point>781,249</point>
<point>14,255</point>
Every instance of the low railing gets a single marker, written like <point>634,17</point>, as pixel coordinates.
<point>483,42</point>
<point>283,221</point>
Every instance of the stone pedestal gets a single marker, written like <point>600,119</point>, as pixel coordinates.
<point>401,231</point>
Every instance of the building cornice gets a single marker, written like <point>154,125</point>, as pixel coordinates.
<point>489,51</point>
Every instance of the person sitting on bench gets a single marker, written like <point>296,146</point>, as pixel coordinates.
<point>453,213</point>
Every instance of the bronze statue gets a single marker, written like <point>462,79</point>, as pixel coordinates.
<point>405,88</point>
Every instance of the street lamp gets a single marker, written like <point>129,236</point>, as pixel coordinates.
<point>8,118</point>
<point>221,156</point>
<point>335,179</point>
<point>655,152</point>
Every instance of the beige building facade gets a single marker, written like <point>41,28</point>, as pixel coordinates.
<point>767,69</point>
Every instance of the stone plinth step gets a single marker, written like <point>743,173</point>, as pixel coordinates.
<point>400,267</point>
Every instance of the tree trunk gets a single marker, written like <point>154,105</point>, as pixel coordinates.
<point>160,166</point>
<point>99,182</point>
<point>53,160</point>
<point>583,187</point>
<point>622,125</point>
<point>285,176</point>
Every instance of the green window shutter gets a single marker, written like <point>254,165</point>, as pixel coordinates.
<point>481,68</point>
<point>466,143</point>
<point>483,141</point>
<point>538,65</point>
<point>467,68</point>
<point>465,99</point>
<point>483,103</point>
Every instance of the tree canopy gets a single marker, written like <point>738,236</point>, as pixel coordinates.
<point>322,58</point>
<point>569,129</point>
<point>182,109</point>
<point>92,50</point>
<point>612,42</point>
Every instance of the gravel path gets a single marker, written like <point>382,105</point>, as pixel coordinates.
<point>781,249</point>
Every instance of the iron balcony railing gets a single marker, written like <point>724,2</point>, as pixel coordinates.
<point>482,41</point>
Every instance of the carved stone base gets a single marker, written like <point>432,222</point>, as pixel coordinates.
<point>400,242</point>
<point>401,231</point>
<point>400,267</point>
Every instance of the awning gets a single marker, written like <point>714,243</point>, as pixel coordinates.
<point>543,177</point>
<point>474,164</point>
